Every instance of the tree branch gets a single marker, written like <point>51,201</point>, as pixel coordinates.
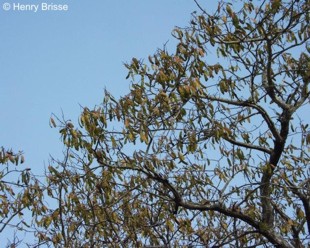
<point>262,112</point>
<point>249,146</point>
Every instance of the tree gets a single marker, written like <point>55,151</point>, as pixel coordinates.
<point>20,191</point>
<point>209,148</point>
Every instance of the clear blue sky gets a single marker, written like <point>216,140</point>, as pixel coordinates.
<point>58,60</point>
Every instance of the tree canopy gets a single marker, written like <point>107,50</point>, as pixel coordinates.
<point>208,149</point>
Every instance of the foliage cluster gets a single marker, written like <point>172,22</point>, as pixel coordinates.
<point>208,148</point>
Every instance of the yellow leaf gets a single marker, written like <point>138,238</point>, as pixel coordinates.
<point>181,157</point>
<point>22,159</point>
<point>143,137</point>
<point>300,213</point>
<point>52,122</point>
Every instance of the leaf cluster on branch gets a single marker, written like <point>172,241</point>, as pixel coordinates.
<point>208,149</point>
<point>203,150</point>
